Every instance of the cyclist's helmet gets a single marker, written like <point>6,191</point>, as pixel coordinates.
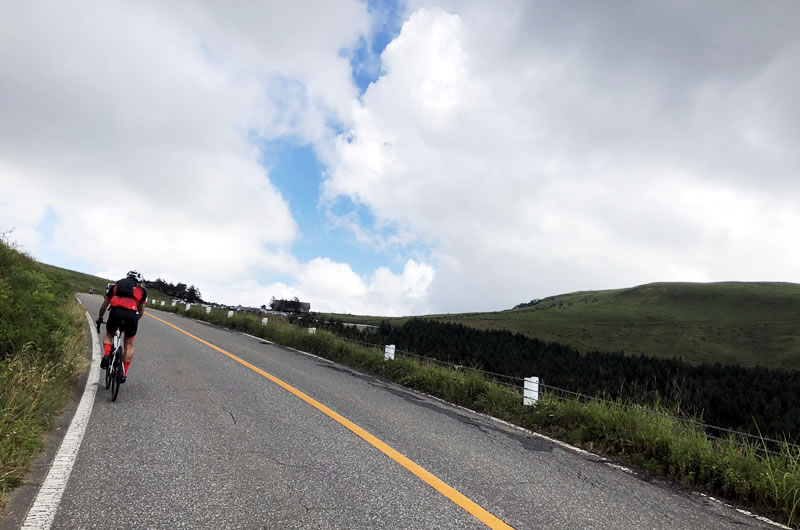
<point>135,276</point>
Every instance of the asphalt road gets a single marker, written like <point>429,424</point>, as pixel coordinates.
<point>197,440</point>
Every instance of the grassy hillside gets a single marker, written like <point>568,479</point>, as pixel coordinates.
<point>77,282</point>
<point>42,349</point>
<point>732,322</point>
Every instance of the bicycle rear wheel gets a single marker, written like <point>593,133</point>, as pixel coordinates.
<point>114,385</point>
<point>108,375</point>
<point>116,374</point>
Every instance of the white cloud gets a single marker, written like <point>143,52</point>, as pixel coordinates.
<point>544,149</point>
<point>334,287</point>
<point>128,129</point>
<point>132,126</point>
<point>532,149</point>
<point>337,288</point>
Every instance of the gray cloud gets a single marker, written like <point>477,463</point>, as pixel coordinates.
<point>137,120</point>
<point>535,147</point>
<point>551,146</point>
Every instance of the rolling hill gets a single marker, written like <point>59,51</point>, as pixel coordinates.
<point>747,323</point>
<point>78,282</point>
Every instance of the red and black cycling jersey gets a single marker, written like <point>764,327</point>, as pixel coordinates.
<point>139,293</point>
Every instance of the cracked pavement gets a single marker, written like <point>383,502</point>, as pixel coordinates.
<point>196,440</point>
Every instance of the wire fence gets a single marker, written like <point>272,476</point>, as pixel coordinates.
<point>678,423</point>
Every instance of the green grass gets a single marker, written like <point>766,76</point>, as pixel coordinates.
<point>76,282</point>
<point>730,323</point>
<point>655,443</point>
<point>734,469</point>
<point>42,347</point>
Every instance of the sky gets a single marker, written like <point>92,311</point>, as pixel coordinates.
<point>397,158</point>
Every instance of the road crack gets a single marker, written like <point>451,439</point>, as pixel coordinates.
<point>231,413</point>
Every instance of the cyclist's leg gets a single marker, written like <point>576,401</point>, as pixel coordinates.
<point>128,351</point>
<point>131,327</point>
<point>107,340</point>
<point>111,328</point>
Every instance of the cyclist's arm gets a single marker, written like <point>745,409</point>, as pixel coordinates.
<point>103,308</point>
<point>142,302</point>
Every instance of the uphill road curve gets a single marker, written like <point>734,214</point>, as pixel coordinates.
<point>215,429</point>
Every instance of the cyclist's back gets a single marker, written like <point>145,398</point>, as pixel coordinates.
<point>127,299</point>
<point>126,294</point>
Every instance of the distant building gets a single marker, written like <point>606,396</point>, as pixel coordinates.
<point>290,306</point>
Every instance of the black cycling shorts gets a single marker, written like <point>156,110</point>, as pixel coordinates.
<point>125,319</point>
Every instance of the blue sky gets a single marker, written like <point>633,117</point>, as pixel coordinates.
<point>297,172</point>
<point>388,17</point>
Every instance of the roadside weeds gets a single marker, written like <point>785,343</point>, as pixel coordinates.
<point>42,347</point>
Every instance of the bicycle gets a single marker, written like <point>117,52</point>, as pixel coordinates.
<point>114,371</point>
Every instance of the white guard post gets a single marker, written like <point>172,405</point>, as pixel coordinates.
<point>264,321</point>
<point>388,352</point>
<point>174,303</point>
<point>312,331</point>
<point>230,314</point>
<point>531,392</point>
<point>208,309</point>
<point>162,302</point>
<point>188,306</point>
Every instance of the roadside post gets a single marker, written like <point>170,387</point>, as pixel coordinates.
<point>531,391</point>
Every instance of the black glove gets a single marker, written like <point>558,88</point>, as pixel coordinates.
<point>98,322</point>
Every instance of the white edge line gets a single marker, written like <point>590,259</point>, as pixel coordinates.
<point>564,445</point>
<point>44,507</point>
<point>257,338</point>
<point>745,512</point>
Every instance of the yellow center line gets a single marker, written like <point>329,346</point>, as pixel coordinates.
<point>435,482</point>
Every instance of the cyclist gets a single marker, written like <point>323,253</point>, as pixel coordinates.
<point>127,299</point>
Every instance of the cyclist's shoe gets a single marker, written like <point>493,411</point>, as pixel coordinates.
<point>104,361</point>
<point>123,378</point>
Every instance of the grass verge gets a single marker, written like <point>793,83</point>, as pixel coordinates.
<point>661,446</point>
<point>42,344</point>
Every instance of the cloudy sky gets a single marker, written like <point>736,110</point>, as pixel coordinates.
<point>404,158</point>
